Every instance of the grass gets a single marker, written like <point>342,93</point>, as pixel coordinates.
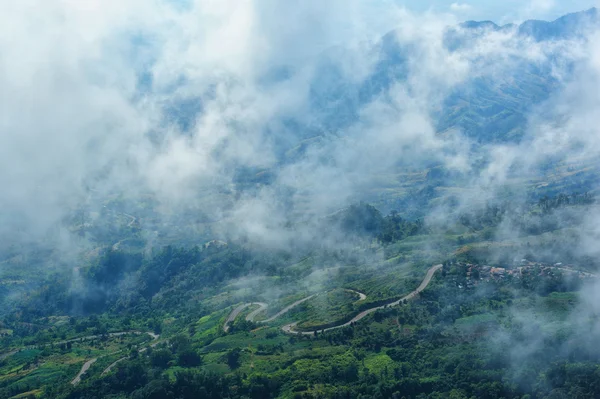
<point>103,362</point>
<point>322,309</point>
<point>475,320</point>
<point>26,355</point>
<point>277,306</point>
<point>270,336</point>
<point>37,378</point>
<point>385,282</point>
<point>217,368</point>
<point>379,364</point>
<point>209,327</point>
<point>35,393</point>
<point>32,369</point>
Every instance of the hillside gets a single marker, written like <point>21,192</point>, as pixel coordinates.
<point>259,200</point>
<point>227,314</point>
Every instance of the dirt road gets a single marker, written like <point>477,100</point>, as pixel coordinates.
<point>85,368</point>
<point>289,328</point>
<point>288,308</point>
<point>89,363</point>
<point>234,314</point>
<point>261,308</point>
<point>361,296</point>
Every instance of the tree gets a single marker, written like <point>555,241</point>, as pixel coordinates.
<point>233,358</point>
<point>189,358</point>
<point>180,343</point>
<point>160,358</point>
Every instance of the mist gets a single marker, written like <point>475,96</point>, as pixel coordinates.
<point>256,120</point>
<point>163,162</point>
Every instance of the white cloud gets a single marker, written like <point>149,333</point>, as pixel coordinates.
<point>540,6</point>
<point>72,113</point>
<point>460,7</point>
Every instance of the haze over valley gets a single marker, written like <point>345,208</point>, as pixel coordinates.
<point>260,199</point>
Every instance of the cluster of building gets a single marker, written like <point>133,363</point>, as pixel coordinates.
<point>476,273</point>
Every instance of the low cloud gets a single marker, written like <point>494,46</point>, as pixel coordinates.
<point>149,99</point>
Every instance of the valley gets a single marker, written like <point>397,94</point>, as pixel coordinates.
<point>321,200</point>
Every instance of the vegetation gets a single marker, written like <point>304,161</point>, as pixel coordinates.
<point>463,337</point>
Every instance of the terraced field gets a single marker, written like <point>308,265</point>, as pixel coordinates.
<point>333,324</point>
<point>333,305</point>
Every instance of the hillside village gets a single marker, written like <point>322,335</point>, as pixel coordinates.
<point>473,274</point>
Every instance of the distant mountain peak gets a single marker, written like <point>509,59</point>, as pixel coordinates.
<point>565,27</point>
<point>568,26</point>
<point>479,25</point>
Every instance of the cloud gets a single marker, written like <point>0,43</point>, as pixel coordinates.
<point>540,6</point>
<point>145,99</point>
<point>141,99</point>
<point>460,7</point>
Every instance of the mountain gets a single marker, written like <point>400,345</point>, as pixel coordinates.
<point>495,108</point>
<point>482,298</point>
<point>487,108</point>
<point>570,26</point>
<point>491,105</point>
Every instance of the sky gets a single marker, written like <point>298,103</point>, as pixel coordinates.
<point>505,11</point>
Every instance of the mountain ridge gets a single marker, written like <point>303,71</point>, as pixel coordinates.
<point>541,29</point>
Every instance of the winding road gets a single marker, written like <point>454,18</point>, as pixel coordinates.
<point>89,363</point>
<point>83,370</point>
<point>287,309</point>
<point>361,296</point>
<point>7,354</point>
<point>235,314</point>
<point>289,328</point>
<point>261,307</point>
<point>107,370</point>
<point>112,365</point>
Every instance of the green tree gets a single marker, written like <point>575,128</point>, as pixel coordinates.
<point>161,358</point>
<point>233,358</point>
